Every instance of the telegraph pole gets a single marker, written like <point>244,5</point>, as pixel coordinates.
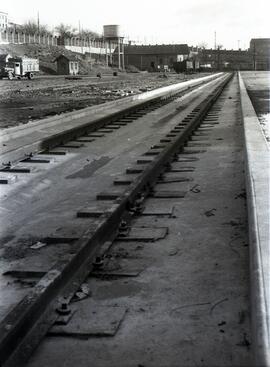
<point>80,37</point>
<point>216,49</point>
<point>254,56</point>
<point>38,21</point>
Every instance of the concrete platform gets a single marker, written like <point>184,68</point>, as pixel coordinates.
<point>258,198</point>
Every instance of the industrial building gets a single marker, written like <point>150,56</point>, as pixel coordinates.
<point>155,57</point>
<point>257,57</point>
<point>162,57</point>
<point>260,51</point>
<point>219,59</point>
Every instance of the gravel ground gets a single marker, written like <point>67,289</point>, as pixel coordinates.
<point>22,101</point>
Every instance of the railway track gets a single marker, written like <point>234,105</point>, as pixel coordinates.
<point>16,147</point>
<point>84,134</point>
<point>110,212</point>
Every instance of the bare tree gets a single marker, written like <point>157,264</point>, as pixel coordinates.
<point>31,27</point>
<point>87,33</point>
<point>202,45</point>
<point>65,30</point>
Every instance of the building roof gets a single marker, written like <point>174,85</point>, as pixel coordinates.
<point>261,46</point>
<point>68,57</point>
<point>182,49</point>
<point>260,40</point>
<point>223,51</point>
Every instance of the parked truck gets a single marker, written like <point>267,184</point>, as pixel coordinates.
<point>19,67</point>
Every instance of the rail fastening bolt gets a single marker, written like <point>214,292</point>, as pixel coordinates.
<point>123,226</point>
<point>64,309</point>
<point>98,262</point>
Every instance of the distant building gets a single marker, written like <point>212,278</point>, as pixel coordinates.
<point>222,59</point>
<point>155,57</point>
<point>67,65</point>
<point>260,51</point>
<point>3,21</point>
<point>257,57</point>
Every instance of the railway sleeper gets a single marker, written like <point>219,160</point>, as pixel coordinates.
<point>29,321</point>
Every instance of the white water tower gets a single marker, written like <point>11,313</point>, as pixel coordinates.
<point>112,35</point>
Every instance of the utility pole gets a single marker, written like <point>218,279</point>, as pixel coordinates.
<point>254,56</point>
<point>80,37</point>
<point>38,21</point>
<point>218,57</point>
<point>216,49</point>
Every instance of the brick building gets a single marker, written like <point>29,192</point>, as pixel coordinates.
<point>155,57</point>
<point>260,51</point>
<point>220,59</point>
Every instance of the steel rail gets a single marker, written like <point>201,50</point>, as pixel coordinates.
<point>63,137</point>
<point>10,158</point>
<point>24,327</point>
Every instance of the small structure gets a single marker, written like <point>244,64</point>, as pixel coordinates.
<point>67,65</point>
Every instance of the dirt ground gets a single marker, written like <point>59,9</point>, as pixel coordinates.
<point>22,101</point>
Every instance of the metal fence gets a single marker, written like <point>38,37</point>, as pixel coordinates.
<point>76,44</point>
<point>7,37</point>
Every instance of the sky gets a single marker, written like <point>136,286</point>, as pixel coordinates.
<point>147,21</point>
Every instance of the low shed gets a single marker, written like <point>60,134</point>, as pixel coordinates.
<point>67,65</point>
